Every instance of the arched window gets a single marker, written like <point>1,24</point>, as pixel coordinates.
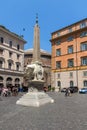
<point>17,82</point>
<point>9,82</point>
<point>1,79</point>
<point>85,83</point>
<point>1,82</point>
<point>9,79</point>
<point>71,84</point>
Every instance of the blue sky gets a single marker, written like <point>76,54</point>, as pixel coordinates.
<point>52,15</point>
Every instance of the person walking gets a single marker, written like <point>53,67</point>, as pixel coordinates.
<point>67,93</point>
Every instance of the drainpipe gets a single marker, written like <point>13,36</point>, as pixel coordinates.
<point>76,59</point>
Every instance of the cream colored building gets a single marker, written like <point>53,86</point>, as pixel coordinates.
<point>11,58</point>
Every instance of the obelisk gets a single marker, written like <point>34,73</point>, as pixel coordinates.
<point>37,96</point>
<point>36,44</point>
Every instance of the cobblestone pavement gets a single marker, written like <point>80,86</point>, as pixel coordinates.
<point>67,113</point>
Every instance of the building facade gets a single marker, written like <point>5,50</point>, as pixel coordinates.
<point>46,63</point>
<point>11,58</point>
<point>69,56</point>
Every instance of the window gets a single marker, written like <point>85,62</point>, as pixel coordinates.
<point>58,75</point>
<point>70,30</point>
<point>9,65</point>
<point>58,34</point>
<point>58,83</point>
<point>10,54</point>
<point>58,42</point>
<point>70,38</point>
<point>1,79</point>
<point>84,61</point>
<point>1,51</point>
<point>82,25</point>
<point>83,34</point>
<point>85,73</point>
<point>1,64</point>
<point>9,81</point>
<point>18,56</point>
<point>58,64</point>
<point>10,43</point>
<point>70,63</point>
<point>18,47</point>
<point>71,74</point>
<point>70,49</point>
<point>84,46</point>
<point>58,52</point>
<point>17,67</point>
<point>71,84</point>
<point>1,39</point>
<point>85,83</point>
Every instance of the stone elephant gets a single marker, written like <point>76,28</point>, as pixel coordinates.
<point>38,71</point>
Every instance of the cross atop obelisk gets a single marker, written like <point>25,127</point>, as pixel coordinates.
<point>36,48</point>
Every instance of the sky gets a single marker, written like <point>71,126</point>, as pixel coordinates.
<point>19,16</point>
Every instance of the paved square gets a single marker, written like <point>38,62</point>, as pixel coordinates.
<point>67,113</point>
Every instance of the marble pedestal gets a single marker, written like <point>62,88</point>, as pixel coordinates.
<point>34,99</point>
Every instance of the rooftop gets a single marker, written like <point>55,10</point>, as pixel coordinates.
<point>3,28</point>
<point>69,25</point>
<point>28,51</point>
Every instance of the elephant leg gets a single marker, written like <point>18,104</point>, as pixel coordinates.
<point>35,77</point>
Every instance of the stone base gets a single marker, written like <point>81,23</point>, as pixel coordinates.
<point>35,99</point>
<point>56,89</point>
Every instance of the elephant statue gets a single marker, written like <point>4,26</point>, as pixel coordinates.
<point>38,71</point>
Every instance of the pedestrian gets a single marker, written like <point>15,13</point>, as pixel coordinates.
<point>67,92</point>
<point>5,91</point>
<point>0,90</point>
